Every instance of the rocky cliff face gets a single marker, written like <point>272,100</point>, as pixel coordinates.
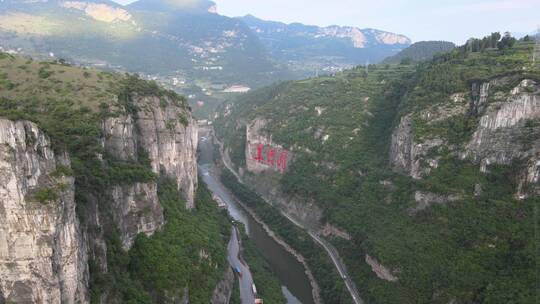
<point>494,141</point>
<point>406,155</point>
<point>505,132</point>
<point>154,131</point>
<point>42,250</point>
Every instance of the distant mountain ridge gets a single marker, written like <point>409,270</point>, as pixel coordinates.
<point>185,44</point>
<point>332,46</point>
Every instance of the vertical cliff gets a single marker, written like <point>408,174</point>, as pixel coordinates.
<point>42,250</point>
<point>504,132</point>
<point>166,135</point>
<point>163,132</point>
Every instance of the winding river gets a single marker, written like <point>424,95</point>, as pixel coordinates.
<point>294,282</point>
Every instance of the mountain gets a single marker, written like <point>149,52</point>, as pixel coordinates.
<point>188,48</point>
<point>424,177</point>
<point>99,199</point>
<point>189,41</point>
<point>421,50</point>
<point>308,48</point>
<point>184,44</point>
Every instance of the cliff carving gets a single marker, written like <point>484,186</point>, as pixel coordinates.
<point>42,250</point>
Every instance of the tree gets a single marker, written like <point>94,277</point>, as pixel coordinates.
<point>506,42</point>
<point>495,37</point>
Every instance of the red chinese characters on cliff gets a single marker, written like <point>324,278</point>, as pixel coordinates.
<point>274,157</point>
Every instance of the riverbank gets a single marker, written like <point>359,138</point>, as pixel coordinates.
<point>294,284</point>
<point>332,290</point>
<point>288,248</point>
<point>266,281</point>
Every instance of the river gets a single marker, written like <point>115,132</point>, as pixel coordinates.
<point>294,282</point>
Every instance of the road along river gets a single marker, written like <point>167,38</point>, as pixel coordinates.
<point>291,273</point>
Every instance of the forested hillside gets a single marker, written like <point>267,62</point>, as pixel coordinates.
<point>425,177</point>
<point>81,169</point>
<point>422,50</point>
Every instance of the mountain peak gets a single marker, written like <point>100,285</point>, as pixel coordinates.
<point>199,6</point>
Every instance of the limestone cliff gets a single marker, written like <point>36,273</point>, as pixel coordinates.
<point>42,249</point>
<point>265,160</point>
<point>163,131</point>
<point>505,131</point>
<point>495,140</point>
<point>155,131</point>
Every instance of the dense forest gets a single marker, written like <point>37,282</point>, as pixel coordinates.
<point>476,246</point>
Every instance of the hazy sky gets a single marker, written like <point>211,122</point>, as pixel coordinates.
<point>454,20</point>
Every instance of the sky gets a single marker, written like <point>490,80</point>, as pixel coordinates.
<point>452,20</point>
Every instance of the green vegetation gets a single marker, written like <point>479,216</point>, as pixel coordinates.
<point>332,287</point>
<point>268,286</point>
<point>45,195</point>
<point>235,297</point>
<point>188,252</point>
<point>477,249</point>
<point>418,51</point>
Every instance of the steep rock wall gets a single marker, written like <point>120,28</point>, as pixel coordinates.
<point>164,131</point>
<point>262,174</point>
<point>136,210</point>
<point>406,155</point>
<point>42,250</point>
<point>500,138</point>
<point>157,129</point>
<point>492,142</point>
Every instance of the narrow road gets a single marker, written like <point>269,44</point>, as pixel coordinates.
<point>246,294</point>
<point>334,255</point>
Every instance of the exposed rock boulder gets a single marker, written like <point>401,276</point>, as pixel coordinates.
<point>42,250</point>
<point>329,230</point>
<point>223,291</point>
<point>426,199</point>
<point>381,271</point>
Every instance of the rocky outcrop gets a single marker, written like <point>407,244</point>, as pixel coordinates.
<point>165,132</point>
<point>42,250</point>
<point>169,136</point>
<point>381,271</point>
<point>425,200</point>
<point>223,291</point>
<point>329,230</point>
<point>136,210</point>
<point>529,181</point>
<point>406,155</point>
<point>99,11</point>
<point>495,140</point>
